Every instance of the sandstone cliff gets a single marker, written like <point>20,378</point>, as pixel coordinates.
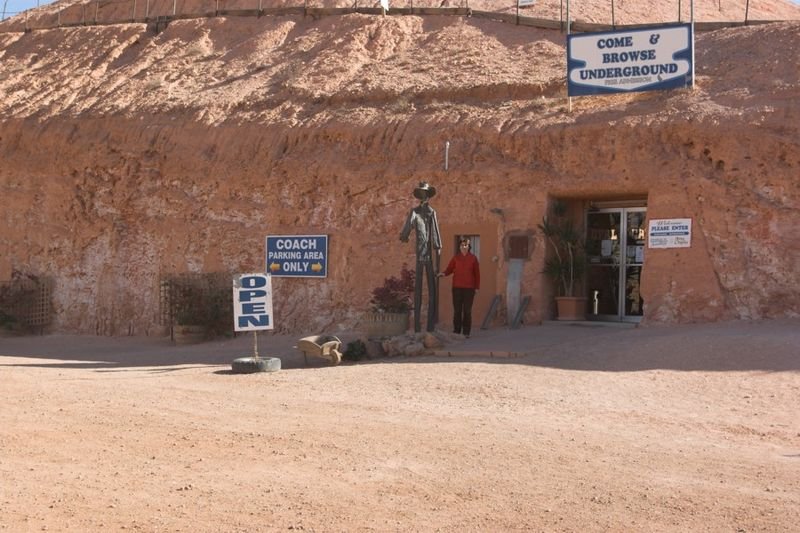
<point>128,154</point>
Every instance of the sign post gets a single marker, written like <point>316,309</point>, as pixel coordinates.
<point>252,311</point>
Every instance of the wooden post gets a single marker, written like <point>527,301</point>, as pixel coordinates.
<point>613,19</point>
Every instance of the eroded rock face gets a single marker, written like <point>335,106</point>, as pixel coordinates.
<point>143,155</point>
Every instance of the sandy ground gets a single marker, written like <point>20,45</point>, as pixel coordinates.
<point>596,429</point>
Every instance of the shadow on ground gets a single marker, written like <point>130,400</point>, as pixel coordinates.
<point>769,345</point>
<point>107,354</point>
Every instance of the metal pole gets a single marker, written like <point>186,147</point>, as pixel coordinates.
<point>436,268</point>
<point>746,11</point>
<point>255,344</point>
<point>679,10</point>
<point>691,4</point>
<point>4,10</point>
<point>569,98</point>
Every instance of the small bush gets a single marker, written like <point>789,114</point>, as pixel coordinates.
<point>356,351</point>
<point>396,294</point>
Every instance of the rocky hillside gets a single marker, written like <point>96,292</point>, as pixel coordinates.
<point>590,11</point>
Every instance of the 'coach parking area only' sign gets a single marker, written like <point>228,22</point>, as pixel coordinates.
<point>297,255</point>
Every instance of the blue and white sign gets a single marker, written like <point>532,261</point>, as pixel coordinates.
<point>645,59</point>
<point>252,302</point>
<point>304,256</point>
<point>669,233</point>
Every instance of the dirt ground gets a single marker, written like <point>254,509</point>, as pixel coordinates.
<point>596,429</point>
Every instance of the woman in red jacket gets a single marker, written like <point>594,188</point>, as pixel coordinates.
<point>466,282</point>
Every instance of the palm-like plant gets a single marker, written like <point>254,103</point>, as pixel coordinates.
<point>569,261</point>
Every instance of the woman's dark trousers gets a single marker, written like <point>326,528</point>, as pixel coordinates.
<point>462,310</point>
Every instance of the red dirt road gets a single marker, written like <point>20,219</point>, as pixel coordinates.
<point>652,429</point>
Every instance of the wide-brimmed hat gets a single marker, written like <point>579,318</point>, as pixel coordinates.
<point>424,190</point>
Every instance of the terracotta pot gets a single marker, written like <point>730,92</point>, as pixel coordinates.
<point>385,324</point>
<point>188,334</point>
<point>571,307</point>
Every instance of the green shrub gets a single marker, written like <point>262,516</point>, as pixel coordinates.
<point>356,351</point>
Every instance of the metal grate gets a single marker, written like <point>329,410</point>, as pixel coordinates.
<point>26,303</point>
<point>204,299</point>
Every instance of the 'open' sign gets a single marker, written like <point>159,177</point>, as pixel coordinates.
<point>252,302</point>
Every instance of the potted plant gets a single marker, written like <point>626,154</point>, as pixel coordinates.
<point>567,263</point>
<point>391,303</point>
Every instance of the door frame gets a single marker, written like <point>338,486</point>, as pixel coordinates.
<point>623,266</point>
<point>487,260</point>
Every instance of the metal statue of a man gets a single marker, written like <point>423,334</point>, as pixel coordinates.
<point>422,219</point>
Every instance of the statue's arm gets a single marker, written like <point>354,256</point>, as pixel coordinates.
<point>407,227</point>
<point>437,238</point>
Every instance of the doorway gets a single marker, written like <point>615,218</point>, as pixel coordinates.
<point>615,244</point>
<point>483,237</point>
